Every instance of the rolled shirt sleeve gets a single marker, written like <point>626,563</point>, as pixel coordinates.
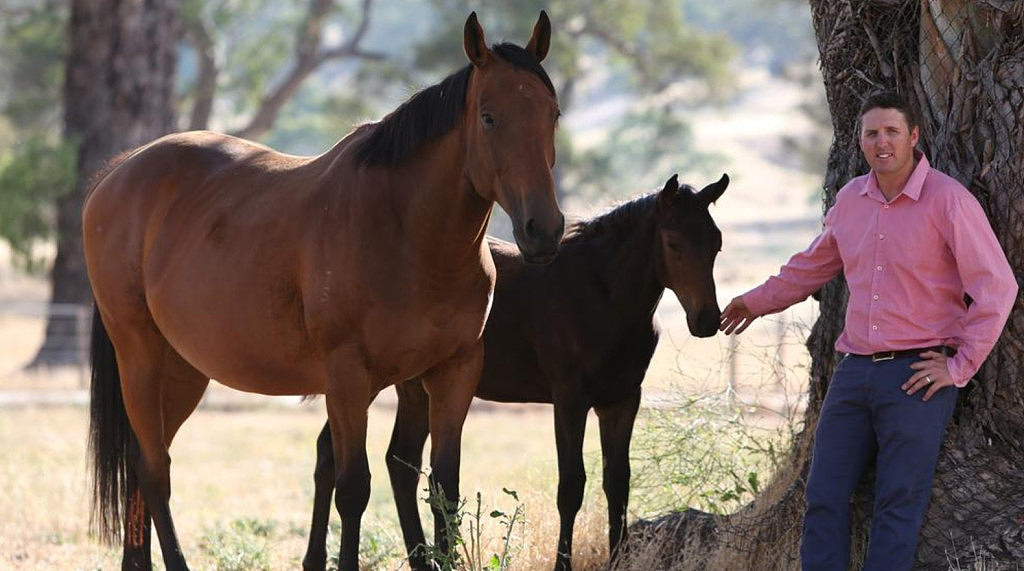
<point>987,278</point>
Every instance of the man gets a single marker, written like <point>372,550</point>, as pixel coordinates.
<point>911,242</point>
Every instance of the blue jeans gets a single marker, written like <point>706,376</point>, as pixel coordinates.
<point>867,417</point>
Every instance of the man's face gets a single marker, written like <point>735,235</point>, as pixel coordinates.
<point>887,141</point>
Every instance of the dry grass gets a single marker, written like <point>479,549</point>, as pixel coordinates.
<point>243,487</point>
<point>255,467</point>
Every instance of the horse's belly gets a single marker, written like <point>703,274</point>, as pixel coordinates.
<point>235,340</point>
<point>252,370</point>
<point>423,344</point>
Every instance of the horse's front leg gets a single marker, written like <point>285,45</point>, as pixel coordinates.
<point>616,424</point>
<point>450,387</point>
<point>323,486</point>
<point>404,460</point>
<point>570,428</point>
<point>349,394</point>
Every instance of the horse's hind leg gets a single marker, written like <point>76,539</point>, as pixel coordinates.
<point>137,554</point>
<point>323,486</point>
<point>404,461</point>
<point>616,424</point>
<point>160,391</point>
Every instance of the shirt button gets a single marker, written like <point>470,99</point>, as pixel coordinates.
<point>881,236</point>
<point>885,206</point>
<point>875,297</point>
<point>879,268</point>
<point>874,327</point>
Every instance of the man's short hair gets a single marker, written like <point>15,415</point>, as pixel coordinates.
<point>889,100</point>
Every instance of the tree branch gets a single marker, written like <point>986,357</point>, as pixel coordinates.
<point>308,56</point>
<point>199,36</point>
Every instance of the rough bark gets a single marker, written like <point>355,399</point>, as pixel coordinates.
<point>117,95</point>
<point>962,62</point>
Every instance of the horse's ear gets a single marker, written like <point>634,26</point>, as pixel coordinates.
<point>667,196</point>
<point>474,42</point>
<point>713,191</point>
<point>540,42</point>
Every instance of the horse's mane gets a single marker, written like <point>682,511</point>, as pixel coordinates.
<point>432,112</point>
<point>620,219</point>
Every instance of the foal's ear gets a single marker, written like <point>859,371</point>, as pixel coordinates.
<point>474,42</point>
<point>667,196</point>
<point>540,42</point>
<point>713,191</point>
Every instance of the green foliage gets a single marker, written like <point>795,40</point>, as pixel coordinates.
<point>377,547</point>
<point>32,176</point>
<point>701,454</point>
<point>255,40</point>
<point>35,166</point>
<point>467,551</point>
<point>241,546</point>
<point>32,46</point>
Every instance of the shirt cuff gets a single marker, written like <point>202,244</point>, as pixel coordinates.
<point>955,367</point>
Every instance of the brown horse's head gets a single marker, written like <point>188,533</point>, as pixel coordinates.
<point>689,241</point>
<point>510,125</point>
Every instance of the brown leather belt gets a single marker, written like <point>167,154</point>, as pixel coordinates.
<point>890,355</point>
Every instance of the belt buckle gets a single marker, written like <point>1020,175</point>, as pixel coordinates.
<point>887,356</point>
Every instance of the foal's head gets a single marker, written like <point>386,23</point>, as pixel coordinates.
<point>512,111</point>
<point>688,243</point>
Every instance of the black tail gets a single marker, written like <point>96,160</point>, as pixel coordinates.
<point>109,437</point>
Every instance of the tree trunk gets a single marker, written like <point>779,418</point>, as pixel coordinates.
<point>118,94</point>
<point>962,62</point>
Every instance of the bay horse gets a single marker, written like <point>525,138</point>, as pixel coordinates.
<point>340,274</point>
<point>578,333</point>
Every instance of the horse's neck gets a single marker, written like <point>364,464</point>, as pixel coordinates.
<point>444,211</point>
<point>429,194</point>
<point>631,270</point>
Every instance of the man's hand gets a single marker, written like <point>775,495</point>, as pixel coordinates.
<point>932,373</point>
<point>736,317</point>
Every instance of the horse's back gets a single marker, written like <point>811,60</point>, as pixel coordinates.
<point>198,234</point>
<point>553,325</point>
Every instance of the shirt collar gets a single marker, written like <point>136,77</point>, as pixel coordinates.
<point>911,190</point>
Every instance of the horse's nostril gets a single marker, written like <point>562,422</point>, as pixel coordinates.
<point>531,228</point>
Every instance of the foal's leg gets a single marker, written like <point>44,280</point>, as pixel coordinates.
<point>570,427</point>
<point>404,461</point>
<point>160,391</point>
<point>323,487</point>
<point>616,423</point>
<point>349,394</point>
<point>451,386</point>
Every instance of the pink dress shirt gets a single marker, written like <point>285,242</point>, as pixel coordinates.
<point>907,263</point>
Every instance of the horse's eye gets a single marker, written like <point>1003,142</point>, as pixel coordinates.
<point>487,119</point>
